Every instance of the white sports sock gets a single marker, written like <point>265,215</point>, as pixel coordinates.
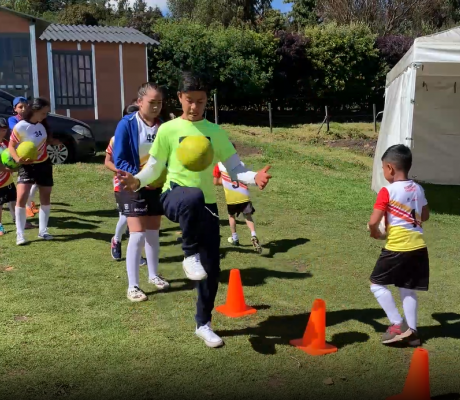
<point>234,236</point>
<point>386,301</point>
<point>410,305</point>
<point>12,209</point>
<point>20,220</point>
<point>133,257</point>
<point>253,233</point>
<point>152,252</point>
<point>32,193</point>
<point>43,218</point>
<point>121,228</point>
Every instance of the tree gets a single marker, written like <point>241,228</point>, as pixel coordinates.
<point>79,14</point>
<point>392,48</point>
<point>143,17</point>
<point>180,9</point>
<point>303,13</point>
<point>271,21</point>
<point>385,17</point>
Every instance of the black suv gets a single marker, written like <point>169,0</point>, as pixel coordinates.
<point>77,140</point>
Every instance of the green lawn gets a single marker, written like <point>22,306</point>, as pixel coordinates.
<point>67,329</point>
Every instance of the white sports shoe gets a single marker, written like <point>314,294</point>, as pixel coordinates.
<point>209,337</point>
<point>20,239</point>
<point>136,295</point>
<point>193,268</point>
<point>159,282</point>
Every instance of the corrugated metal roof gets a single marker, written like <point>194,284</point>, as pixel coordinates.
<point>101,34</point>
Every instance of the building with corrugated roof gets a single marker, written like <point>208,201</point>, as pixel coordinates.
<point>88,72</point>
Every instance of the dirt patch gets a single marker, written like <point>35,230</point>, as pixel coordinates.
<point>362,146</point>
<point>245,150</point>
<point>20,318</point>
<point>8,268</point>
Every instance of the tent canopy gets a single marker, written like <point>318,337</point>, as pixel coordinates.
<point>422,110</point>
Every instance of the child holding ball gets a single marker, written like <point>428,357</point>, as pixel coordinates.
<point>189,197</point>
<point>404,261</point>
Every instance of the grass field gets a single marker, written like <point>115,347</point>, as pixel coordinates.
<point>67,329</point>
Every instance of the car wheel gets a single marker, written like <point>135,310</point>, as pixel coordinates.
<point>59,153</point>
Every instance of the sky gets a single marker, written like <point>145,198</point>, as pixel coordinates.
<point>278,4</point>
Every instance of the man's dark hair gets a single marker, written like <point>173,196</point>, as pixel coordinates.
<point>400,156</point>
<point>3,123</point>
<point>193,82</point>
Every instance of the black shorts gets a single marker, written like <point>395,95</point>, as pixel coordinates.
<point>242,208</point>
<point>40,173</point>
<point>409,270</point>
<point>145,202</point>
<point>7,194</point>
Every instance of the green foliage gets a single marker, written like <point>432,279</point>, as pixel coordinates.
<point>347,66</point>
<point>238,61</point>
<point>303,14</point>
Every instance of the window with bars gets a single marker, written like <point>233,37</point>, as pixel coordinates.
<point>73,79</point>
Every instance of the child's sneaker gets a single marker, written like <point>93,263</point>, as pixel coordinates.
<point>29,212</point>
<point>208,336</point>
<point>20,240</point>
<point>396,333</point>
<point>233,241</point>
<point>136,295</point>
<point>193,268</point>
<point>2,230</point>
<point>143,262</point>
<point>159,282</point>
<point>34,207</point>
<point>256,244</point>
<point>45,236</point>
<point>413,340</point>
<point>115,249</point>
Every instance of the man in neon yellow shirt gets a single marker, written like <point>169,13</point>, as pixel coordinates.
<point>189,197</point>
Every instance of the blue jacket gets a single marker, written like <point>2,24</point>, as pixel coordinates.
<point>12,121</point>
<point>126,145</point>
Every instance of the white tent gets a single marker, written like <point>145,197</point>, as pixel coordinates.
<point>422,110</point>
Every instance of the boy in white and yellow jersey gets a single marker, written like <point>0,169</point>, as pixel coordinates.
<point>404,261</point>
<point>238,202</point>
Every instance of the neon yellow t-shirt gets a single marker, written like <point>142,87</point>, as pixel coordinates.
<point>167,141</point>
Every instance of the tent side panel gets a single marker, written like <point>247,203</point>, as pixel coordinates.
<point>396,125</point>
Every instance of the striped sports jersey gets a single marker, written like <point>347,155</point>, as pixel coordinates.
<point>25,131</point>
<point>5,176</point>
<point>403,202</point>
<point>235,192</point>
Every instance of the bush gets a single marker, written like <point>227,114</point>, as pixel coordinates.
<point>346,65</point>
<point>392,48</point>
<point>240,62</point>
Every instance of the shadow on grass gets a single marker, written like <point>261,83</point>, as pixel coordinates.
<point>73,223</point>
<point>449,396</point>
<point>104,237</point>
<point>258,276</point>
<point>283,246</point>
<point>279,330</point>
<point>443,199</point>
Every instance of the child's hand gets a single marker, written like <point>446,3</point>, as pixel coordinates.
<point>25,161</point>
<point>128,181</point>
<point>262,177</point>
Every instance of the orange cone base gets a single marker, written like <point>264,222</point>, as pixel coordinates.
<point>235,314</point>
<point>328,349</point>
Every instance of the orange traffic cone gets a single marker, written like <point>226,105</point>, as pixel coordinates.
<point>314,338</point>
<point>417,386</point>
<point>235,306</point>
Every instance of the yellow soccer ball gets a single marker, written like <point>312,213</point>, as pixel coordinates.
<point>195,153</point>
<point>27,150</point>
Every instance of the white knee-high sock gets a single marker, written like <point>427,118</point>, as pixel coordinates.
<point>410,305</point>
<point>152,251</point>
<point>12,209</point>
<point>121,227</point>
<point>32,193</point>
<point>386,301</point>
<point>43,218</point>
<point>20,220</point>
<point>133,257</point>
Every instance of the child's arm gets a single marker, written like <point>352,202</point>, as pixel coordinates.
<point>425,213</point>
<point>374,223</point>
<point>217,176</point>
<point>109,163</point>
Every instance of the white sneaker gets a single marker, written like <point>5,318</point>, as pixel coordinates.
<point>193,268</point>
<point>136,295</point>
<point>209,337</point>
<point>159,282</point>
<point>20,239</point>
<point>45,236</point>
